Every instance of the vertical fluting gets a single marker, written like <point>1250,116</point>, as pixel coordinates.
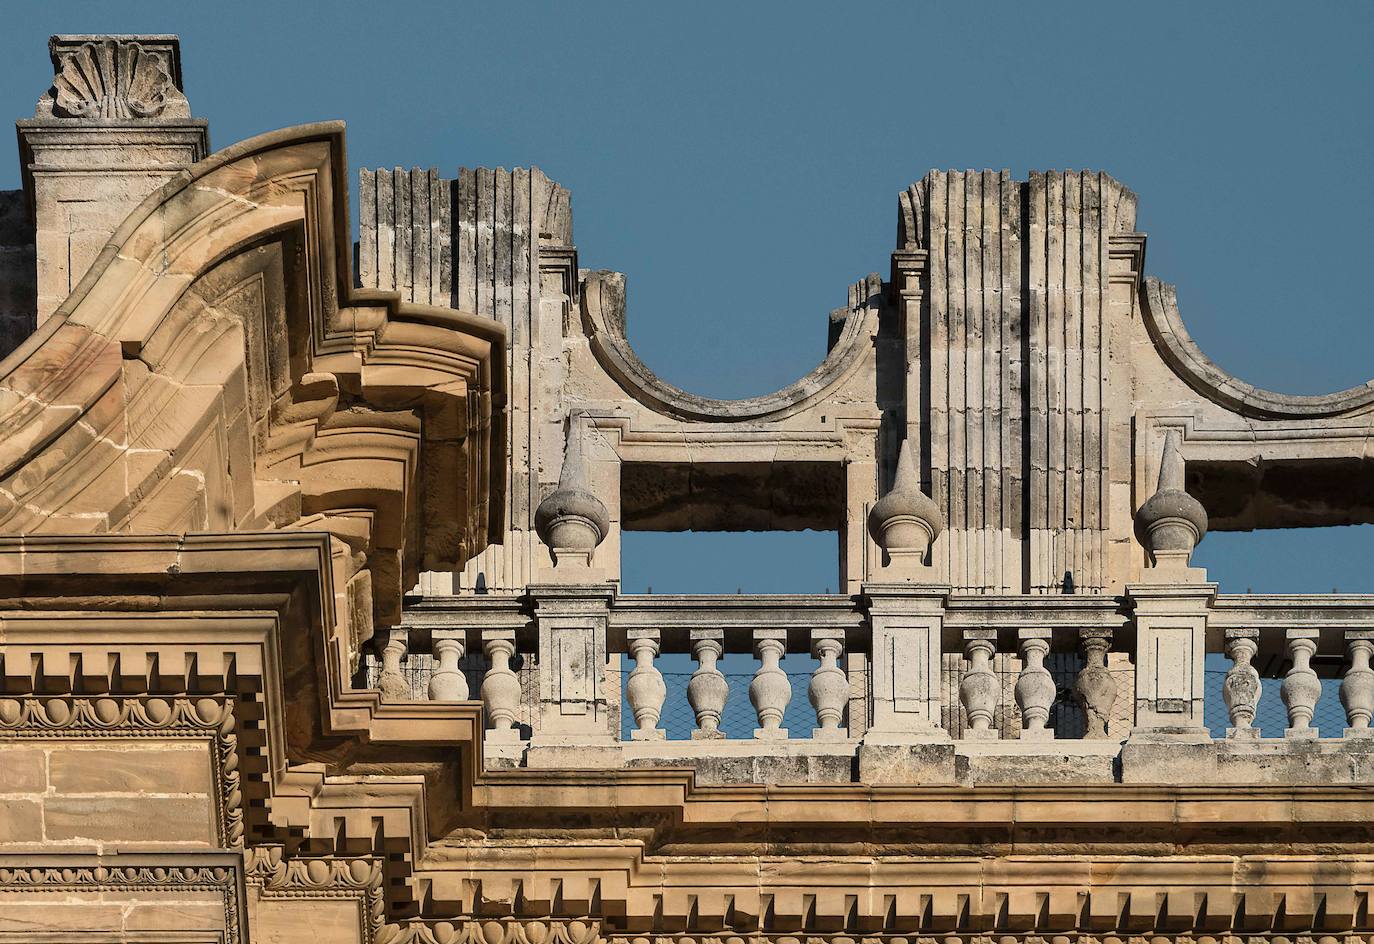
<point>472,243</point>
<point>1015,350</point>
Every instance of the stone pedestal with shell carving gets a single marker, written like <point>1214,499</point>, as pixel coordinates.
<point>114,127</point>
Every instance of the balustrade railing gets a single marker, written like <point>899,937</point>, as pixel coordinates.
<point>1026,668</point>
<point>1312,650</point>
<point>993,659</point>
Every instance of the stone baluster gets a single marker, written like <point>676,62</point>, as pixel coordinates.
<point>391,680</point>
<point>500,686</point>
<point>1035,689</point>
<point>1301,688</point>
<point>447,683</point>
<point>829,690</point>
<point>645,687</point>
<point>1357,687</point>
<point>1095,687</point>
<point>978,689</point>
<point>1241,689</point>
<point>707,689</point>
<point>770,691</point>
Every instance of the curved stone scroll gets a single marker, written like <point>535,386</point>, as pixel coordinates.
<point>1176,346</point>
<point>603,310</point>
<point>216,371</point>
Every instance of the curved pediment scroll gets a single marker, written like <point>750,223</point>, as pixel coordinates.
<point>603,308</point>
<point>1180,351</point>
<point>217,371</point>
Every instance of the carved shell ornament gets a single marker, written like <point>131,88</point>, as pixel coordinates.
<point>112,80</point>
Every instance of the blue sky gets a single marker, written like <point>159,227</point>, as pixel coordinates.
<point>741,163</point>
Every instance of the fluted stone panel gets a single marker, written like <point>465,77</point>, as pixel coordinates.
<point>1015,348</point>
<point>473,243</point>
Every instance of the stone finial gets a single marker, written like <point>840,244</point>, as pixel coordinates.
<point>572,521</point>
<point>905,522</point>
<point>1171,521</point>
<point>115,78</point>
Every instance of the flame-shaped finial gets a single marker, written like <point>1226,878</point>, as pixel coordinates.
<point>1171,521</point>
<point>572,521</point>
<point>905,521</point>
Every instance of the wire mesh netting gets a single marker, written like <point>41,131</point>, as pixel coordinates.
<point>738,720</point>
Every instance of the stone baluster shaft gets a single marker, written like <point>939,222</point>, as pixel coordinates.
<point>1241,689</point>
<point>979,689</point>
<point>1301,688</point>
<point>447,683</point>
<point>1095,687</point>
<point>500,685</point>
<point>1357,687</point>
<point>829,689</point>
<point>391,680</point>
<point>770,691</point>
<point>1035,689</point>
<point>707,689</point>
<point>645,687</point>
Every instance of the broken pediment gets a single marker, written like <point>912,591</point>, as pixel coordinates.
<point>216,370</point>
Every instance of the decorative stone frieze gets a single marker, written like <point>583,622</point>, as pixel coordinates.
<point>162,893</point>
<point>558,931</point>
<point>307,879</point>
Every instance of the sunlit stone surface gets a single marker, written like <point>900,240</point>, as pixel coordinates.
<point>310,620</point>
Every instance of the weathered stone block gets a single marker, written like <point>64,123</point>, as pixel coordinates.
<point>907,763</point>
<point>289,921</point>
<point>140,819</point>
<point>20,821</point>
<point>45,914</point>
<point>22,770</point>
<point>127,769</point>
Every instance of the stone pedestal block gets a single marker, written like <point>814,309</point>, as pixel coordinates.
<point>89,159</point>
<point>1171,653</point>
<point>908,623</point>
<point>575,700</point>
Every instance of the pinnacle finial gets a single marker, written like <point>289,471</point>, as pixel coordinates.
<point>1172,522</point>
<point>905,521</point>
<point>572,521</point>
<point>1171,464</point>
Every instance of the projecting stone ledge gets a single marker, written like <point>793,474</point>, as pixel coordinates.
<point>967,763</point>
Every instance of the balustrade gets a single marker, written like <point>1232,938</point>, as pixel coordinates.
<point>1024,669</point>
<point>1035,691</point>
<point>1300,641</point>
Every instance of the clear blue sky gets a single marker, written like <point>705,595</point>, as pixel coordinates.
<point>741,163</point>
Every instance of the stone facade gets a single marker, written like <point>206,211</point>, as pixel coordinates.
<point>240,481</point>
